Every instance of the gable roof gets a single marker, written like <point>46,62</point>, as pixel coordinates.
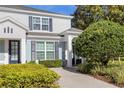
<point>71,31</point>
<point>14,21</point>
<point>24,7</point>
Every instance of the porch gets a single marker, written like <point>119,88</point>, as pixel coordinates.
<point>12,41</point>
<point>11,51</point>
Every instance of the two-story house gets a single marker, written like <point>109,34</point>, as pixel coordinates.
<point>30,34</point>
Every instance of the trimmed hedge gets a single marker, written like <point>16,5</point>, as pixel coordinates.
<point>27,76</point>
<point>51,63</point>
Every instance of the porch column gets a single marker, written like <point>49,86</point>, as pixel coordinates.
<point>69,51</point>
<point>23,51</point>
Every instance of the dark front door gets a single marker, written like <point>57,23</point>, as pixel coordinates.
<point>14,51</point>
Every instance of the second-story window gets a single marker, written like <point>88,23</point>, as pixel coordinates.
<point>36,23</point>
<point>45,24</point>
<point>40,23</point>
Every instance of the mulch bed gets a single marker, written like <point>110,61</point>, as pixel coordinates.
<point>103,78</point>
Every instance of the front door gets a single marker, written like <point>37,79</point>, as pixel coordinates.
<point>14,51</point>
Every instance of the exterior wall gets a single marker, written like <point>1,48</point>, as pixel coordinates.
<point>23,18</point>
<point>59,24</point>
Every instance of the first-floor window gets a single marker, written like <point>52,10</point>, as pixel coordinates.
<point>45,50</point>
<point>50,54</point>
<point>40,55</point>
<point>40,50</point>
<point>50,50</point>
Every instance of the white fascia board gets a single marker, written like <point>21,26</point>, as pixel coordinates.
<point>36,13</point>
<point>70,32</point>
<point>45,37</point>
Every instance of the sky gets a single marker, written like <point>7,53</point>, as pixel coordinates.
<point>63,9</point>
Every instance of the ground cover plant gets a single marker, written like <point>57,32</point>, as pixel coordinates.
<point>27,76</point>
<point>51,63</point>
<point>112,73</point>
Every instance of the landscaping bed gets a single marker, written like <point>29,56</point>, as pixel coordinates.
<point>27,76</point>
<point>51,63</point>
<point>48,63</point>
<point>112,73</point>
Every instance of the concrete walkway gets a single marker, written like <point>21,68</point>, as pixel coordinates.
<point>72,79</point>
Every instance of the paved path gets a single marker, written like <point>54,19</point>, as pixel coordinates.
<point>73,79</point>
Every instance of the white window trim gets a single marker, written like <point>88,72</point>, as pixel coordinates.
<point>40,50</point>
<point>41,23</point>
<point>47,24</point>
<point>36,23</point>
<point>45,50</point>
<point>51,50</point>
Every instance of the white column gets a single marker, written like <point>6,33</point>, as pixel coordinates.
<point>69,51</point>
<point>60,53</point>
<point>6,51</point>
<point>23,50</point>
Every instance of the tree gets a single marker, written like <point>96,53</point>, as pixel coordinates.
<point>115,14</point>
<point>86,15</point>
<point>100,42</point>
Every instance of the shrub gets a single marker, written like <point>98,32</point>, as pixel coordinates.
<point>31,62</point>
<point>27,76</point>
<point>118,76</point>
<point>85,67</point>
<point>51,63</point>
<point>100,42</point>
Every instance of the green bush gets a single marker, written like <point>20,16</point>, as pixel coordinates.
<point>27,76</point>
<point>118,77</point>
<point>100,42</point>
<point>85,67</point>
<point>51,63</point>
<point>31,62</point>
